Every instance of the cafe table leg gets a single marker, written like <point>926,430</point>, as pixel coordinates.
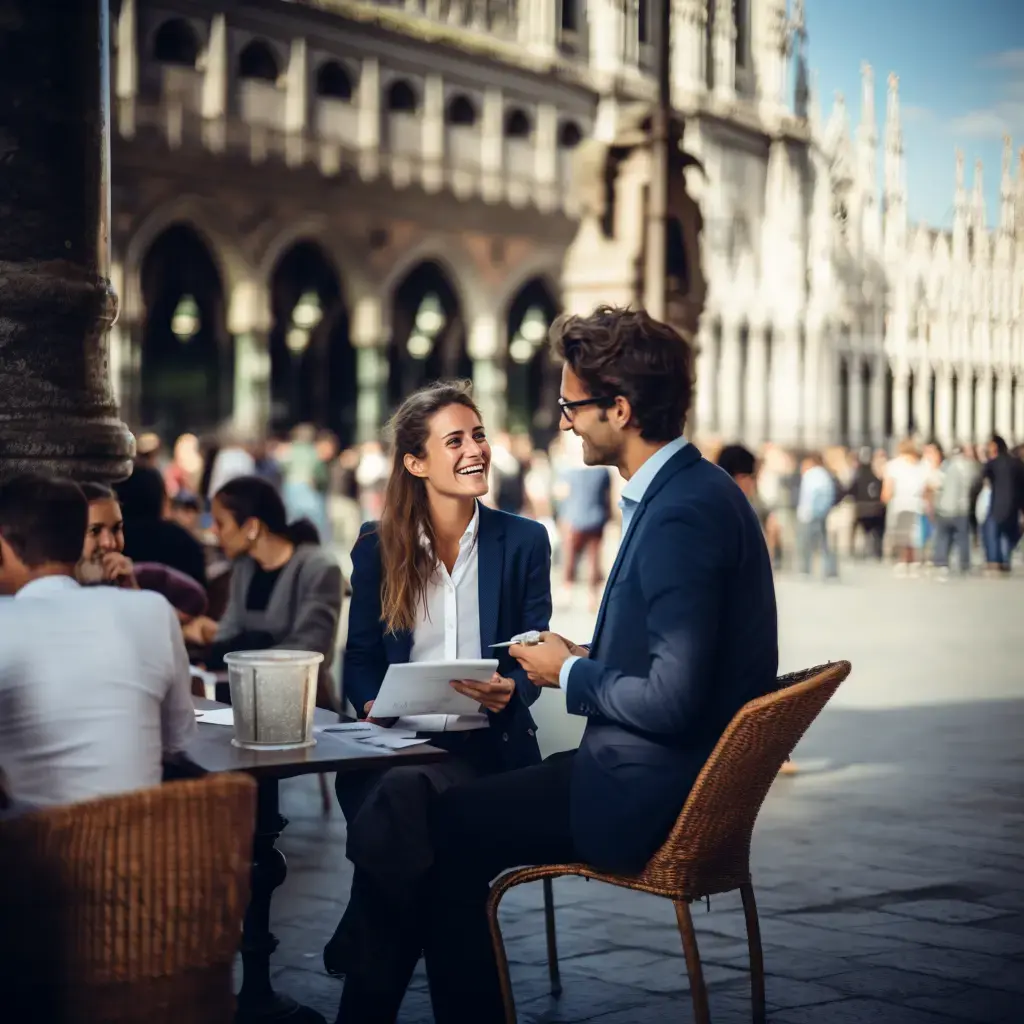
<point>257,1000</point>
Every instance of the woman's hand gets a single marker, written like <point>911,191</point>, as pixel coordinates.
<point>201,631</point>
<point>119,570</point>
<point>493,695</point>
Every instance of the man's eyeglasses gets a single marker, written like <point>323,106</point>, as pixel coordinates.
<point>569,408</point>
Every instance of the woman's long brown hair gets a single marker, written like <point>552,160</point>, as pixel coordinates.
<point>407,564</point>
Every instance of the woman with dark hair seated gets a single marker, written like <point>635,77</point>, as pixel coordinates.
<point>148,535</point>
<point>285,589</point>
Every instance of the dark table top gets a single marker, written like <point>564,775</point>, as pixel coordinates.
<point>213,751</point>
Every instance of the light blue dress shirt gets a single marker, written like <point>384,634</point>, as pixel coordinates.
<point>632,494</point>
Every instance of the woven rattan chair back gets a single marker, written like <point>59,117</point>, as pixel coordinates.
<point>708,849</point>
<point>127,908</point>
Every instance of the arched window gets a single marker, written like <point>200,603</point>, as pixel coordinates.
<point>402,97</point>
<point>517,124</point>
<point>741,19</point>
<point>569,135</point>
<point>257,61</point>
<point>332,81</point>
<point>176,43</point>
<point>570,16</point>
<point>461,111</point>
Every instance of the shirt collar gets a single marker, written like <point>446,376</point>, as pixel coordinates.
<point>47,585</point>
<point>636,487</point>
<point>468,539</point>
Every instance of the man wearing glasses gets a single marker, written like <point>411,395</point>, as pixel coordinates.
<point>685,635</point>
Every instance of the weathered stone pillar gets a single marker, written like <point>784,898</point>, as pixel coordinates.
<point>57,410</point>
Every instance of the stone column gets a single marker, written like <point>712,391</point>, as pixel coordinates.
<point>944,407</point>
<point>900,402</point>
<point>728,384</point>
<point>545,141</point>
<point>538,27</point>
<point>876,435</point>
<point>367,336</point>
<point>922,401</point>
<point>433,133</point>
<point>368,118</point>
<point>488,371</point>
<point>964,408</point>
<point>296,103</point>
<point>983,413</point>
<point>723,47</point>
<point>126,82</point>
<point>492,144</point>
<point>756,388</point>
<point>785,400</point>
<point>689,21</point>
<point>855,400</point>
<point>57,411</point>
<point>249,327</point>
<point>215,86</point>
<point>702,419</point>
<point>1004,407</point>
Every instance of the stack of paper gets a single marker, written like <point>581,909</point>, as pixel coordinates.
<point>375,735</point>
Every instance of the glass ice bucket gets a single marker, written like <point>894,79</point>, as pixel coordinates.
<point>273,696</point>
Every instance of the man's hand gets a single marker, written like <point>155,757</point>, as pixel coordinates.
<point>543,661</point>
<point>493,695</point>
<point>574,649</point>
<point>384,723</point>
<point>119,570</point>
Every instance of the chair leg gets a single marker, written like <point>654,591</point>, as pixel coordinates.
<point>697,989</point>
<point>325,794</point>
<point>756,955</point>
<point>549,928</point>
<point>500,956</point>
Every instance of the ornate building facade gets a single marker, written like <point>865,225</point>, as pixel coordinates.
<point>318,205</point>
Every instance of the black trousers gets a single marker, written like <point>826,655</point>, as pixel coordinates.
<point>479,826</point>
<point>479,830</point>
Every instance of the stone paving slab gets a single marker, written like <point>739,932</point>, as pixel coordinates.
<point>888,872</point>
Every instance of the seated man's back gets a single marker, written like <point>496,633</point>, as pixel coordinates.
<point>94,682</point>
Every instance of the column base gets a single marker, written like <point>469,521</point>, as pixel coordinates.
<point>57,410</point>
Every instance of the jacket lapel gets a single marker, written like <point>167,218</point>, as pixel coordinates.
<point>682,459</point>
<point>490,572</point>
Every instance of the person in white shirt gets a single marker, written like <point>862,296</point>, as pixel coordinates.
<point>94,681</point>
<point>441,577</point>
<point>903,492</point>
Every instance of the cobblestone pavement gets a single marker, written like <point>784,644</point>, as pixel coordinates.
<point>888,871</point>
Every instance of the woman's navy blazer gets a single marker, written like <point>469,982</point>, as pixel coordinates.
<point>515,596</point>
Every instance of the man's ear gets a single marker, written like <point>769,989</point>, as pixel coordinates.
<point>621,413</point>
<point>414,466</point>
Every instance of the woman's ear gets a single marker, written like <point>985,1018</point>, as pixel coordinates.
<point>414,466</point>
<point>251,529</point>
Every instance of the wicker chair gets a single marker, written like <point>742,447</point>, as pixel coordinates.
<point>127,908</point>
<point>708,849</point>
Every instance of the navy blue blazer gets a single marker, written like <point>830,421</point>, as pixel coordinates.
<point>515,595</point>
<point>686,634</point>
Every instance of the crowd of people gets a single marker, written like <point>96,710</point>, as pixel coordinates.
<point>121,596</point>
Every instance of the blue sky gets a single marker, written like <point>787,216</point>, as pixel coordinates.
<point>961,70</point>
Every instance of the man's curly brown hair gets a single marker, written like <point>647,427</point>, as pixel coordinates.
<point>617,351</point>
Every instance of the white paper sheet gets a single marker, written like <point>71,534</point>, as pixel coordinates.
<point>442,723</point>
<point>364,730</point>
<point>217,716</point>
<point>424,688</point>
<point>391,742</point>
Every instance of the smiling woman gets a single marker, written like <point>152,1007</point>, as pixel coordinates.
<point>440,578</point>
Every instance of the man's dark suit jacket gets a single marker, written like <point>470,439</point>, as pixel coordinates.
<point>515,596</point>
<point>686,634</point>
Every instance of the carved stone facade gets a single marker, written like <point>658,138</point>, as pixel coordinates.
<point>410,166</point>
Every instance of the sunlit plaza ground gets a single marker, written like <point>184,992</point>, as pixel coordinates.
<point>888,871</point>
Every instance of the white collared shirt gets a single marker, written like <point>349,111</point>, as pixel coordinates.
<point>448,628</point>
<point>94,690</point>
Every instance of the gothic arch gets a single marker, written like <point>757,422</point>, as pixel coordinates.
<point>470,291</point>
<point>227,256</point>
<point>544,268</point>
